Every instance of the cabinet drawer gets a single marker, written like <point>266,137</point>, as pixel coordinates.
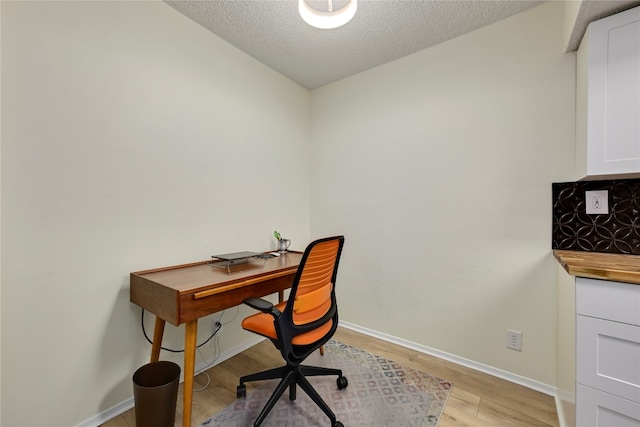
<point>608,356</point>
<point>596,408</point>
<point>615,301</point>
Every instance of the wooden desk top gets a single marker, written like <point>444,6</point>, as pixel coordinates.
<point>185,292</point>
<point>604,266</point>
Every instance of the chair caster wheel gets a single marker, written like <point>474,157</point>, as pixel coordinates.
<point>337,424</point>
<point>342,382</point>
<point>241,391</point>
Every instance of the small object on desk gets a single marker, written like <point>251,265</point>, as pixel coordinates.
<point>283,245</point>
<point>236,256</point>
<point>229,260</point>
<point>274,253</point>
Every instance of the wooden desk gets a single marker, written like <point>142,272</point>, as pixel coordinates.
<point>185,293</point>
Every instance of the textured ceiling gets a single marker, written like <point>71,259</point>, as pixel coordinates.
<point>592,10</point>
<point>382,30</point>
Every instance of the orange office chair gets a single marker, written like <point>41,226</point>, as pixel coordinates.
<point>300,325</point>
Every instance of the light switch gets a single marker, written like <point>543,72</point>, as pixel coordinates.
<point>597,202</point>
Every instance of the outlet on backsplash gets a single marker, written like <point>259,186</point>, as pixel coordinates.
<point>597,202</point>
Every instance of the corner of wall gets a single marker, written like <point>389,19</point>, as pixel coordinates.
<point>571,10</point>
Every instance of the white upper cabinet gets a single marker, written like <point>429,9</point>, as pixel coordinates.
<point>608,98</point>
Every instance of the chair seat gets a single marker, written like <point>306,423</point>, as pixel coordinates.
<point>262,324</point>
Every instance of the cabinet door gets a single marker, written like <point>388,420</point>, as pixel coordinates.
<point>613,94</point>
<point>599,409</point>
<point>608,356</point>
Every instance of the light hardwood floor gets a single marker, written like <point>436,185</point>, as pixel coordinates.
<point>476,399</point>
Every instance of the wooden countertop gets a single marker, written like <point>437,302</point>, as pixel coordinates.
<point>596,265</point>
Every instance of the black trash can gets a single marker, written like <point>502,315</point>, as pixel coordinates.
<point>155,392</point>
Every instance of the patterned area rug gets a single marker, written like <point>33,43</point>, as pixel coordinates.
<point>380,392</point>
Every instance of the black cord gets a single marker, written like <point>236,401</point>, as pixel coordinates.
<point>177,351</point>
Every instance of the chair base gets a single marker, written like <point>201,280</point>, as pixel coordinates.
<point>291,376</point>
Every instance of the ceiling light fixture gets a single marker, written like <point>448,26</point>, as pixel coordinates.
<point>331,18</point>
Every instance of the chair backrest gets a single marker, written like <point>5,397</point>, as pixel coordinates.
<point>311,315</point>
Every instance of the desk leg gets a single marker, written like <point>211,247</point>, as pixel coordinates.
<point>157,339</point>
<point>190,335</point>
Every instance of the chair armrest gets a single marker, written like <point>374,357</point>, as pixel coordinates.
<point>259,304</point>
<point>262,305</point>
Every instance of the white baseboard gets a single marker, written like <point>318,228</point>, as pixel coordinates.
<point>560,412</point>
<point>125,405</point>
<point>499,373</point>
<point>110,413</point>
<point>565,400</point>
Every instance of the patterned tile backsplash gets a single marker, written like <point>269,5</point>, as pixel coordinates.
<point>615,232</point>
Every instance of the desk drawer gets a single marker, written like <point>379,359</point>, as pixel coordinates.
<point>199,304</point>
<point>608,356</point>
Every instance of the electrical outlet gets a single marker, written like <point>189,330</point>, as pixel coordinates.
<point>597,202</point>
<point>514,340</point>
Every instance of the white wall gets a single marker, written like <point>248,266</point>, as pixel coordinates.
<point>438,167</point>
<point>131,139</point>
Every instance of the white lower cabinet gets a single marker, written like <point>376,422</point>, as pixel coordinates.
<point>600,409</point>
<point>607,354</point>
